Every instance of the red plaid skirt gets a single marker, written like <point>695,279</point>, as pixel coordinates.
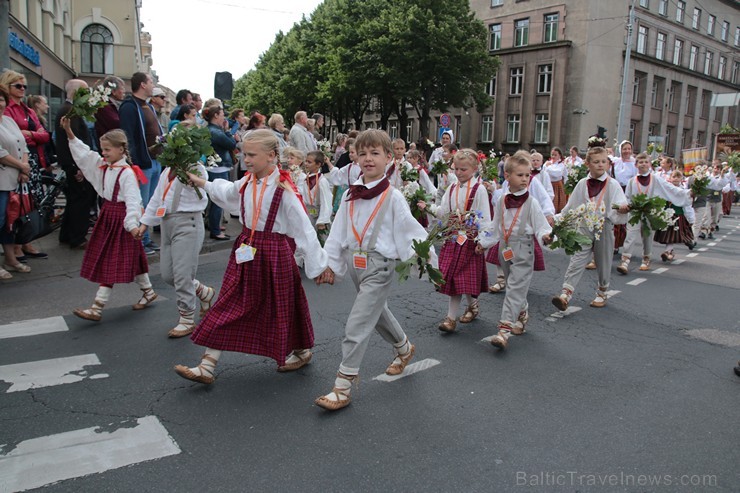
<point>113,256</point>
<point>539,258</point>
<point>464,270</point>
<point>727,202</point>
<point>684,234</point>
<point>620,234</point>
<point>560,199</point>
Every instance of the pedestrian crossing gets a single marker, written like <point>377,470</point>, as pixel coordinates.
<point>43,460</point>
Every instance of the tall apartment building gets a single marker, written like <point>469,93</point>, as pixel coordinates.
<point>52,41</point>
<point>561,72</point>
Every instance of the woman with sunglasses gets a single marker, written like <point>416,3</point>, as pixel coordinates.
<point>36,138</point>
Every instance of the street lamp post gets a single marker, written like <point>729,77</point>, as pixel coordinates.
<point>623,100</point>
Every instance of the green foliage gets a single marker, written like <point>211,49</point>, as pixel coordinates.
<point>575,174</point>
<point>87,102</point>
<point>569,240</point>
<point>439,168</point>
<point>182,148</point>
<point>729,129</point>
<point>650,212</point>
<point>409,174</point>
<point>489,168</point>
<point>732,159</point>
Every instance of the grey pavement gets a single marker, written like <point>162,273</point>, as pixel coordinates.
<point>638,396</point>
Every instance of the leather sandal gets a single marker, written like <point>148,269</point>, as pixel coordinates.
<point>600,300</point>
<point>19,267</point>
<point>181,330</point>
<point>498,286</point>
<point>403,360</point>
<point>146,299</point>
<point>343,398</point>
<point>188,374</point>
<point>93,313</point>
<point>447,325</point>
<point>205,294</point>
<point>471,313</point>
<point>561,301</point>
<point>303,360</point>
<point>5,275</point>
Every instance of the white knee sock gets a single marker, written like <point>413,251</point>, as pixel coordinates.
<point>404,347</point>
<point>143,281</point>
<point>207,367</point>
<point>343,386</point>
<point>454,306</point>
<point>103,294</point>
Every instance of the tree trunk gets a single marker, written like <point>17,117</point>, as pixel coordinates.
<point>403,120</point>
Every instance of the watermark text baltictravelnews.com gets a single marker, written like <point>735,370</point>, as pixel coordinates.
<point>576,478</point>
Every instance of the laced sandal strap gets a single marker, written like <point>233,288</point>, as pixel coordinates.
<point>209,358</point>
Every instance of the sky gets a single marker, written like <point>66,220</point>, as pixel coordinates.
<point>194,39</point>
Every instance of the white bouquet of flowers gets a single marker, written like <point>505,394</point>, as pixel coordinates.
<point>568,229</point>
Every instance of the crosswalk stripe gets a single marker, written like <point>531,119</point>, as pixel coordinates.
<point>691,255</point>
<point>718,240</point>
<point>710,244</point>
<point>703,249</point>
<point>678,262</point>
<point>40,461</point>
<point>33,327</point>
<point>660,271</point>
<point>49,372</point>
<point>554,317</point>
<point>637,281</point>
<point>422,365</point>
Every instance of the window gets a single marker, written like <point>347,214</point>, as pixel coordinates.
<point>491,87</point>
<point>725,30</point>
<point>654,94</point>
<point>544,83</point>
<point>696,20</point>
<point>409,131</point>
<point>642,35</point>
<point>735,72</point>
<point>521,32</point>
<point>652,129</point>
<point>97,49</point>
<point>645,4</point>
<point>495,37</point>
<point>512,128</point>
<point>677,51</point>
<point>541,128</point>
<point>496,3</point>
<point>706,97</point>
<point>711,20</point>
<point>672,98</point>
<point>636,90</point>
<point>693,56</point>
<point>721,68</point>
<point>690,100</point>
<point>516,81</point>
<point>633,127</point>
<point>686,138</point>
<point>660,46</point>
<point>486,129</point>
<point>663,7</point>
<point>669,137</point>
<point>737,36</point>
<point>393,130</point>
<point>551,28</point>
<point>680,10</point>
<point>708,63</point>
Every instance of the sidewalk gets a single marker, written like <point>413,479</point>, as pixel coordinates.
<point>63,261</point>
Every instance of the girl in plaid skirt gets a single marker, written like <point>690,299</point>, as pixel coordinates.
<point>461,258</point>
<point>261,308</point>
<point>114,253</point>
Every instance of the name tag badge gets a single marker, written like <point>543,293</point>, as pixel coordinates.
<point>508,254</point>
<point>461,238</point>
<point>244,253</point>
<point>359,260</point>
<point>161,211</point>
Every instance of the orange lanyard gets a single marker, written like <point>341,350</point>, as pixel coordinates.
<point>316,187</point>
<point>256,208</point>
<point>507,234</point>
<point>637,183</point>
<point>359,237</point>
<point>167,189</point>
<point>457,198</point>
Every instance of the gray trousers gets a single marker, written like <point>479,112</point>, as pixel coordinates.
<point>370,310</point>
<point>603,251</point>
<point>182,238</point>
<point>699,226</point>
<point>633,231</point>
<point>518,274</point>
<point>711,215</point>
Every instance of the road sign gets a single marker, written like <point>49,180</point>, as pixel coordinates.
<point>444,120</point>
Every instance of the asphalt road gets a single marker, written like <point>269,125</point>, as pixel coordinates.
<point>638,396</point>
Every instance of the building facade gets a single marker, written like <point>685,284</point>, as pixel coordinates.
<point>52,41</point>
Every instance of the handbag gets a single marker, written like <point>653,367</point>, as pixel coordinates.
<point>18,200</point>
<point>27,227</point>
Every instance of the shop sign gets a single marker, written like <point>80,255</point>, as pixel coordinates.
<point>24,49</point>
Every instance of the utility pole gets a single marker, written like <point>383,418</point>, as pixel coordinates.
<point>624,101</point>
<point>4,28</point>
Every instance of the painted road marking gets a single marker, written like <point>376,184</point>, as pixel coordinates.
<point>637,281</point>
<point>422,365</point>
<point>612,292</point>
<point>718,240</point>
<point>660,271</point>
<point>710,244</point>
<point>33,327</point>
<point>703,249</point>
<point>678,262</point>
<point>691,255</point>
<point>49,372</point>
<point>40,461</point>
<point>725,338</point>
<point>557,315</point>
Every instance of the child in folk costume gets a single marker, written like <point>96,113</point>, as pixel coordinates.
<point>517,229</point>
<point>538,192</point>
<point>348,174</point>
<point>372,230</point>
<point>444,181</point>
<point>179,211</point>
<point>398,163</point>
<point>665,170</point>
<point>414,159</point>
<point>461,259</point>
<point>681,231</point>
<point>114,253</point>
<point>574,159</point>
<point>295,159</point>
<point>722,176</point>
<point>648,184</point>
<point>622,169</point>
<point>728,195</point>
<point>702,206</point>
<point>316,194</point>
<point>558,172</point>
<point>598,187</point>
<point>261,308</point>
<point>538,175</point>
